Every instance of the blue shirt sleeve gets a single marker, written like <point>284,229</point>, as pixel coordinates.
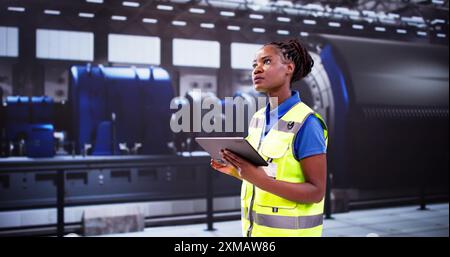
<point>310,139</point>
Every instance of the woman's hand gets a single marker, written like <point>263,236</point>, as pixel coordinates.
<point>247,170</point>
<point>225,168</point>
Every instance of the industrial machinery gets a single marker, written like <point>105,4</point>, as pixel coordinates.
<point>385,104</point>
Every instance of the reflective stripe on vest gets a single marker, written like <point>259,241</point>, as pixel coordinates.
<point>286,222</point>
<point>287,126</point>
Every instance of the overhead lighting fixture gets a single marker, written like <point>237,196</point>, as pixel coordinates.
<point>310,22</point>
<point>86,15</point>
<point>401,31</point>
<point>234,28</point>
<point>436,21</point>
<point>346,11</point>
<point>259,30</point>
<point>283,3</point>
<point>380,29</point>
<point>95,1</point>
<point>357,26</point>
<point>283,32</point>
<point>393,15</point>
<point>256,16</point>
<point>437,1</point>
<point>441,35</point>
<point>179,23</point>
<point>304,34</point>
<point>422,33</point>
<point>387,21</point>
<point>118,18</point>
<point>16,9</point>
<point>52,12</point>
<point>197,10</point>
<point>227,14</point>
<point>283,19</point>
<point>261,2</point>
<point>314,7</point>
<point>258,4</point>
<point>164,7</point>
<point>334,24</point>
<point>207,25</point>
<point>130,4</point>
<point>149,20</point>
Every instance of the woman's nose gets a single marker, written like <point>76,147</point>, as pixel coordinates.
<point>257,69</point>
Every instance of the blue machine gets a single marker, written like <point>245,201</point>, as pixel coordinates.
<point>40,141</point>
<point>112,105</point>
<point>157,93</point>
<point>30,120</point>
<point>103,136</point>
<point>42,110</point>
<point>17,117</point>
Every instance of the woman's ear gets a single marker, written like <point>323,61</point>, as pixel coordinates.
<point>290,68</point>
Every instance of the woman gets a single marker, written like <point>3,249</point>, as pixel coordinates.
<point>285,198</point>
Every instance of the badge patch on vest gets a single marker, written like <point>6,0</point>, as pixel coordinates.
<point>290,125</point>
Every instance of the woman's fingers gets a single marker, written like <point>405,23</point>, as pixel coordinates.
<point>232,162</point>
<point>234,157</point>
<point>217,165</point>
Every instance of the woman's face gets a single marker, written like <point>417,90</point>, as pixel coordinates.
<point>270,72</point>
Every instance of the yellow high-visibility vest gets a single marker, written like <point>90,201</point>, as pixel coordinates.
<point>266,214</point>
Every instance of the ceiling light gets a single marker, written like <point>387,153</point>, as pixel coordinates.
<point>52,12</point>
<point>304,34</point>
<point>283,19</point>
<point>179,23</point>
<point>130,4</point>
<point>283,32</point>
<point>197,10</point>
<point>256,16</point>
<point>310,22</point>
<point>235,28</point>
<point>16,9</point>
<point>164,7</point>
<point>95,1</point>
<point>118,18</point>
<point>334,24</point>
<point>149,20</point>
<point>422,33</point>
<point>227,14</point>
<point>86,15</point>
<point>259,30</point>
<point>207,25</point>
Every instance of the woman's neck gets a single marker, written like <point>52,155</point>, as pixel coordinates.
<point>277,97</point>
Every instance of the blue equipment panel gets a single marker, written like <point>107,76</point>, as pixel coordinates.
<point>40,141</point>
<point>135,102</point>
<point>30,120</point>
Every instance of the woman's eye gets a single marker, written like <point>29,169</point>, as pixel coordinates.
<point>267,61</point>
<point>254,65</point>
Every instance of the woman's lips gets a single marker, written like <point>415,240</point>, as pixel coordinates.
<point>257,80</point>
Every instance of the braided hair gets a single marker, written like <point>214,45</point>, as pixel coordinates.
<point>293,50</point>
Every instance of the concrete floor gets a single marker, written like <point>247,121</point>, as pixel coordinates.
<point>386,222</point>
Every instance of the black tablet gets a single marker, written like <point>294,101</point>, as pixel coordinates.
<point>237,145</point>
